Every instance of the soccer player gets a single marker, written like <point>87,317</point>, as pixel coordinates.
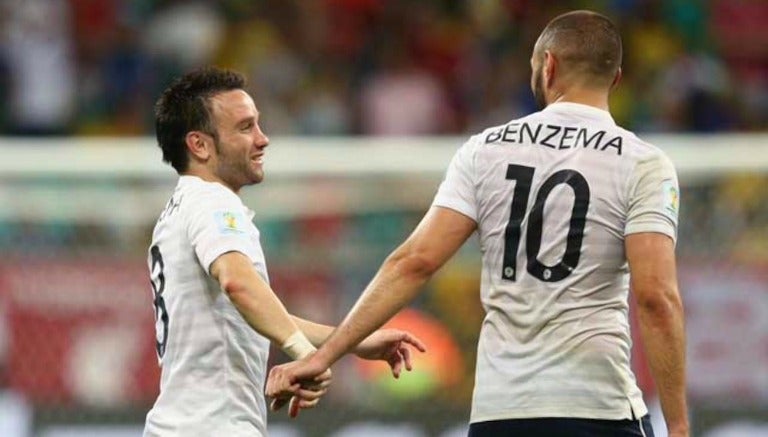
<point>571,210</point>
<point>215,311</point>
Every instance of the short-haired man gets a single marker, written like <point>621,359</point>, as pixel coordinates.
<point>570,209</point>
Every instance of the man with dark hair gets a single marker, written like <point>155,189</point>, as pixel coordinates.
<point>185,107</point>
<point>570,210</point>
<point>215,311</point>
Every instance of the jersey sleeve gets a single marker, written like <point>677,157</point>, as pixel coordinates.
<point>457,191</point>
<point>217,224</point>
<point>654,198</point>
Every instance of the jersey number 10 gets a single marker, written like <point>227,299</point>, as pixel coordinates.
<point>523,177</point>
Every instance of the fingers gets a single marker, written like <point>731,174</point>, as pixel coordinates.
<point>294,407</point>
<point>283,379</point>
<point>278,389</point>
<point>317,385</point>
<point>414,341</point>
<point>299,403</point>
<point>397,364</point>
<point>303,400</point>
<point>320,382</point>
<point>301,395</point>
<point>311,394</point>
<point>307,397</point>
<point>325,376</point>
<point>405,353</point>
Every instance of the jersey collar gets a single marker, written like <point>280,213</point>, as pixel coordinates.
<point>191,179</point>
<point>578,108</point>
<point>188,179</point>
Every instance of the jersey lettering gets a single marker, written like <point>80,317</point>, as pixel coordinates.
<point>555,137</point>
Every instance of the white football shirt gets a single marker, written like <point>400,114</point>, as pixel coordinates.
<point>213,363</point>
<point>554,194</point>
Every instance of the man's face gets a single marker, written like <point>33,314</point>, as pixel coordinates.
<point>241,143</point>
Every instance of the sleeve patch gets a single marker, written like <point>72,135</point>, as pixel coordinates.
<point>671,198</point>
<point>230,222</point>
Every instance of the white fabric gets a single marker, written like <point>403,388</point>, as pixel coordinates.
<point>214,364</point>
<point>298,346</point>
<point>555,341</point>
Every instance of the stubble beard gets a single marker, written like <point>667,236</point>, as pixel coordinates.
<point>236,171</point>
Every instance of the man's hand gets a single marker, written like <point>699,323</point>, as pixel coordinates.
<point>296,388</point>
<point>303,382</point>
<point>390,345</point>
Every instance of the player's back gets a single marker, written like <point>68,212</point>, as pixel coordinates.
<point>553,195</point>
<point>213,363</point>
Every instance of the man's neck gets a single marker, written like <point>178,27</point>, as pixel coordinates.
<point>209,177</point>
<point>597,99</point>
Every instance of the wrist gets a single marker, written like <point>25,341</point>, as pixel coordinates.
<point>322,359</point>
<point>297,346</point>
<point>678,428</point>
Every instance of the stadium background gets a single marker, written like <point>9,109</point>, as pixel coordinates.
<point>365,101</point>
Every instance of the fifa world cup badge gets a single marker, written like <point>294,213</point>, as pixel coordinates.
<point>671,198</point>
<point>230,222</point>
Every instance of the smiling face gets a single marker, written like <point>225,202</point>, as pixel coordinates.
<point>240,143</point>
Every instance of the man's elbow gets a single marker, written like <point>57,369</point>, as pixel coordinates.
<point>413,264</point>
<point>660,304</point>
<point>233,287</point>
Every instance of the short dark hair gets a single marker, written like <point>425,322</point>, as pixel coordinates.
<point>586,42</point>
<point>185,106</point>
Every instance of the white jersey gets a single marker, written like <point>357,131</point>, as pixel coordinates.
<point>554,194</point>
<point>213,363</point>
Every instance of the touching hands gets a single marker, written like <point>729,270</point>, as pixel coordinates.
<point>303,382</point>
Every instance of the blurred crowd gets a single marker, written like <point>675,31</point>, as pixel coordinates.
<point>357,67</point>
<point>371,67</point>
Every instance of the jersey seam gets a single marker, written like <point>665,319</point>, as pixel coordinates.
<point>628,192</point>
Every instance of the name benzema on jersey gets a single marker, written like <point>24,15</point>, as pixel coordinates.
<point>555,137</point>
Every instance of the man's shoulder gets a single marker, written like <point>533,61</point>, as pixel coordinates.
<point>641,149</point>
<point>197,192</point>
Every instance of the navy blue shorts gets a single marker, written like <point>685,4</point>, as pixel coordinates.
<point>562,427</point>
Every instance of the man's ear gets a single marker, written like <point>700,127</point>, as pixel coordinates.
<point>200,145</point>
<point>616,79</point>
<point>549,69</point>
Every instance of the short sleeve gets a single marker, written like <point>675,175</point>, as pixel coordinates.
<point>654,198</point>
<point>457,191</point>
<point>217,223</point>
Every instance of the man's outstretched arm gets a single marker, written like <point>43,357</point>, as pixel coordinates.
<point>440,234</point>
<point>389,345</point>
<point>662,327</point>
